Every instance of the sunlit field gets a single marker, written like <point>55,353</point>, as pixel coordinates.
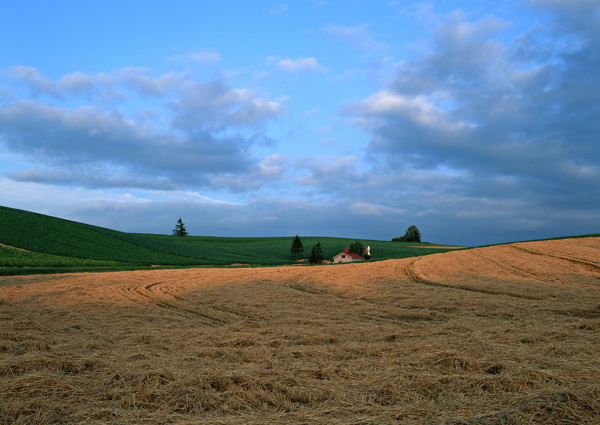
<point>500,335</point>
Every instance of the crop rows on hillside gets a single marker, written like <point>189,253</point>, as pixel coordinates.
<point>10,257</point>
<point>78,241</point>
<point>40,233</point>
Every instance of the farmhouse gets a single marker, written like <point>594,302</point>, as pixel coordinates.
<point>346,256</point>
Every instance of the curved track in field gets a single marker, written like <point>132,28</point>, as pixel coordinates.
<point>208,295</point>
<point>511,329</point>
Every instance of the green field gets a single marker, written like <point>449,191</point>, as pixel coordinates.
<point>56,245</point>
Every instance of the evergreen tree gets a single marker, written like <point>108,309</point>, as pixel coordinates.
<point>297,246</point>
<point>179,229</point>
<point>316,255</point>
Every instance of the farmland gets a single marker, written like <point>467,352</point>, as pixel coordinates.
<point>497,335</point>
<point>84,247</point>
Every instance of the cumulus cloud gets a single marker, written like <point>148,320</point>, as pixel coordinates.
<point>77,82</point>
<point>467,105</point>
<point>34,79</point>
<point>110,84</point>
<point>512,127</point>
<point>205,133</point>
<point>216,106</point>
<point>138,80</point>
<point>273,165</point>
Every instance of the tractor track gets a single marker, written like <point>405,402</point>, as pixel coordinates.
<point>413,275</point>
<point>588,265</point>
<point>153,294</point>
<point>511,269</point>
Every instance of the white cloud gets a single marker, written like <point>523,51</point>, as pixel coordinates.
<point>514,125</point>
<point>420,110</point>
<point>204,57</point>
<point>77,82</point>
<point>201,57</point>
<point>273,165</point>
<point>33,78</point>
<point>299,65</point>
<point>214,106</point>
<point>202,136</point>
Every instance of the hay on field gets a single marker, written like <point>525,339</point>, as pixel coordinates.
<point>499,335</point>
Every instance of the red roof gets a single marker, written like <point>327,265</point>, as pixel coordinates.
<point>351,254</point>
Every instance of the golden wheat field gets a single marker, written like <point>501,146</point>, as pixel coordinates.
<point>501,335</point>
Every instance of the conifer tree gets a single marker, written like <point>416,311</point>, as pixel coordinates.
<point>179,229</point>
<point>297,246</point>
<point>316,255</point>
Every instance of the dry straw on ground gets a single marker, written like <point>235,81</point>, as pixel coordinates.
<point>499,335</point>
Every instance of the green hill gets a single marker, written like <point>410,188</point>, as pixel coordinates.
<point>57,245</point>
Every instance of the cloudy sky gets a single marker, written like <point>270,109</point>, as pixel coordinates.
<point>478,121</point>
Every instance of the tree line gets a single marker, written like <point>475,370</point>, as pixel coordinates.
<point>412,234</point>
<point>316,253</point>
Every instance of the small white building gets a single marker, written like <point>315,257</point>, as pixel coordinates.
<point>347,257</point>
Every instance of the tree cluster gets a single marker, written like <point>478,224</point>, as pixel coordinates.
<point>316,253</point>
<point>412,234</point>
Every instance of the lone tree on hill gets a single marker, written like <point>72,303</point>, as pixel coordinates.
<point>297,246</point>
<point>412,234</point>
<point>179,229</point>
<point>316,255</point>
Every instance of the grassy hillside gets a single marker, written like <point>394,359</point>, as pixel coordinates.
<point>53,243</point>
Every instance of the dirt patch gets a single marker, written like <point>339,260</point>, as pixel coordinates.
<point>13,247</point>
<point>438,247</point>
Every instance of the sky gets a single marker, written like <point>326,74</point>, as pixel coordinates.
<point>477,121</point>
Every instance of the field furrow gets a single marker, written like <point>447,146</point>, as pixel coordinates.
<point>504,334</point>
<point>510,266</point>
<point>593,266</point>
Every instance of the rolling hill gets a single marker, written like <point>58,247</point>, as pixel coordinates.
<point>56,245</point>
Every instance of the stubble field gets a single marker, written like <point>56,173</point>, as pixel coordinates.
<point>501,335</point>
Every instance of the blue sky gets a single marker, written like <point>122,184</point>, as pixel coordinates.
<point>477,121</point>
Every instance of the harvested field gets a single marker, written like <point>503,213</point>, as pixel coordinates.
<point>499,335</point>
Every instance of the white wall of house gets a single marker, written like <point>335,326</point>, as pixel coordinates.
<point>345,258</point>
